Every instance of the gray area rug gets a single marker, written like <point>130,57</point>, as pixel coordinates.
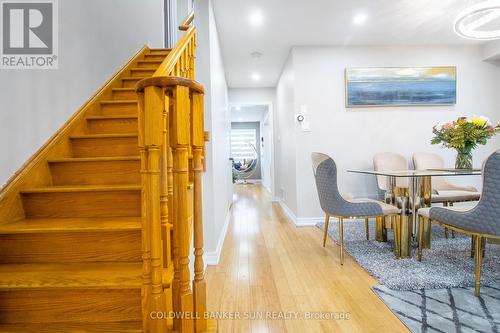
<point>446,265</point>
<point>445,310</point>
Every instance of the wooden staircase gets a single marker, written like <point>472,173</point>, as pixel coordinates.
<point>77,242</point>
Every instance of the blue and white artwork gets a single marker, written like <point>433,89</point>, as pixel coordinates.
<point>400,86</point>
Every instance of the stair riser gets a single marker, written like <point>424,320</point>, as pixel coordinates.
<point>83,204</point>
<point>111,126</point>
<point>149,64</point>
<point>142,72</point>
<point>130,83</point>
<point>164,52</point>
<point>98,305</point>
<point>117,109</point>
<point>96,173</point>
<point>159,57</point>
<point>108,246</point>
<point>124,94</point>
<point>102,147</point>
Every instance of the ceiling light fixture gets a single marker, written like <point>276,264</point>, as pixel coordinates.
<point>256,54</point>
<point>256,18</point>
<point>480,21</point>
<point>256,76</point>
<point>360,19</point>
<point>237,108</point>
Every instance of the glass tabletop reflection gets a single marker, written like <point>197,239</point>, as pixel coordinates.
<point>421,173</point>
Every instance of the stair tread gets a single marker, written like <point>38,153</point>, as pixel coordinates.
<point>94,159</point>
<point>71,275</point>
<point>143,69</point>
<point>98,136</point>
<point>36,225</point>
<point>80,188</point>
<point>149,61</point>
<point>124,89</point>
<point>119,101</point>
<point>118,327</point>
<point>134,78</point>
<point>125,116</point>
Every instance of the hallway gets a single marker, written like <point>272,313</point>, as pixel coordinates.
<point>269,269</point>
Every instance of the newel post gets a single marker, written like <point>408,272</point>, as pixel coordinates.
<point>180,141</point>
<point>151,141</point>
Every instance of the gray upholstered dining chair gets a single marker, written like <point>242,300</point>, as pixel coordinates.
<point>390,161</point>
<point>443,192</point>
<point>334,205</point>
<point>482,221</point>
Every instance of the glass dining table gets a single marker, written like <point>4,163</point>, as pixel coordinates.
<point>418,194</point>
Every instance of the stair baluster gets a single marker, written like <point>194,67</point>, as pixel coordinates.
<point>198,144</point>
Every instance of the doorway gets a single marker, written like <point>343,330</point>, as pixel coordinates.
<point>251,144</point>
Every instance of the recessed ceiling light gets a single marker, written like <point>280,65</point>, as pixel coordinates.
<point>480,21</point>
<point>256,76</point>
<point>256,18</point>
<point>360,18</point>
<point>256,54</point>
<point>237,108</point>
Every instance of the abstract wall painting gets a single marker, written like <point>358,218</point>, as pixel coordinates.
<point>400,86</point>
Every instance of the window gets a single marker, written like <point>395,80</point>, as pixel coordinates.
<point>243,143</point>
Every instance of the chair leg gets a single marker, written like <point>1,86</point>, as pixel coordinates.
<point>421,222</point>
<point>478,261</point>
<point>427,233</point>
<point>327,221</point>
<point>367,229</point>
<point>380,229</point>
<point>472,246</point>
<point>341,240</point>
<point>446,204</point>
<point>453,231</point>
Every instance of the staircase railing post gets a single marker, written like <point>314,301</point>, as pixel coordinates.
<point>165,222</point>
<point>151,141</point>
<point>179,140</point>
<point>198,143</point>
<point>145,247</point>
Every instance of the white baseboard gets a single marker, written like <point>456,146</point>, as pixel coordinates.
<point>212,258</point>
<point>299,221</point>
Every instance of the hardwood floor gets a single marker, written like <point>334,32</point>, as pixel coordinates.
<point>269,266</point>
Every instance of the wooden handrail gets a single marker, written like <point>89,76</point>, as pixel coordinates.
<point>169,82</point>
<point>186,24</point>
<point>168,65</point>
<point>180,61</point>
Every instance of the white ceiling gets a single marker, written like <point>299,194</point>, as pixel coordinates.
<point>288,23</point>
<point>248,113</point>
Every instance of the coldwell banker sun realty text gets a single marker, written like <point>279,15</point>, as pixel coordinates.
<point>29,34</point>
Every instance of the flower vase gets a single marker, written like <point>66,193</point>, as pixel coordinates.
<point>464,159</point>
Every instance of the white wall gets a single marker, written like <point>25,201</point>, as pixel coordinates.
<point>353,136</point>
<point>491,51</point>
<point>285,138</point>
<point>217,182</point>
<point>95,40</point>
<point>266,132</point>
